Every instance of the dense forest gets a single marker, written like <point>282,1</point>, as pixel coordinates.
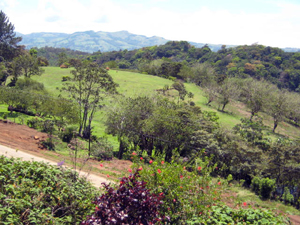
<point>257,61</point>
<point>182,136</point>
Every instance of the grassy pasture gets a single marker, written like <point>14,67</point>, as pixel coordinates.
<point>134,84</point>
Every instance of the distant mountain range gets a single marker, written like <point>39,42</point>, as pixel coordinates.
<point>91,41</point>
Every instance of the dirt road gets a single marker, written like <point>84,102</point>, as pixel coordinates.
<point>9,152</point>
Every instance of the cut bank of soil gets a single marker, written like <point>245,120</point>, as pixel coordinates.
<point>28,140</point>
<point>20,137</point>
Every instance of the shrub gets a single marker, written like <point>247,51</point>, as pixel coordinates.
<point>4,116</point>
<point>226,215</point>
<point>263,187</point>
<point>255,185</point>
<point>68,133</point>
<point>66,78</point>
<point>38,193</point>
<point>33,123</point>
<point>187,190</point>
<point>131,203</point>
<point>102,149</point>
<point>48,144</point>
<point>267,187</point>
<point>287,197</point>
<point>29,84</point>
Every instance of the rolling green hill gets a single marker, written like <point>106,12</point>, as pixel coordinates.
<point>135,84</point>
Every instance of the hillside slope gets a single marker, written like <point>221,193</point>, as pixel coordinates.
<point>91,41</point>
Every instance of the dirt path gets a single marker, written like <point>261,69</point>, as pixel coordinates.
<point>9,152</point>
<point>26,141</point>
<point>295,219</point>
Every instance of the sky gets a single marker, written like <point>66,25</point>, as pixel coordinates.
<point>273,23</point>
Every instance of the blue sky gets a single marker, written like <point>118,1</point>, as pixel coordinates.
<point>268,22</point>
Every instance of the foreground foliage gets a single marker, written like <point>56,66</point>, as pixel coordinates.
<point>226,215</point>
<point>37,193</point>
<point>191,195</point>
<point>130,203</point>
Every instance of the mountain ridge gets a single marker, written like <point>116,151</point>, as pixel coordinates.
<point>92,41</point>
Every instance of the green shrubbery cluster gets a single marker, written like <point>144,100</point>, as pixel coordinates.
<point>226,215</point>
<point>37,193</point>
<point>191,195</point>
<point>264,187</point>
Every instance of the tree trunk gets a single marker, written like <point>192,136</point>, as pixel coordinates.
<point>223,107</point>
<point>251,117</point>
<point>209,101</point>
<point>122,147</point>
<point>275,125</point>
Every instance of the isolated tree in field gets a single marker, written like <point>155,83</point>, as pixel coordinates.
<point>62,58</point>
<point>90,85</point>
<point>278,106</point>
<point>29,65</point>
<point>228,90</point>
<point>211,92</point>
<point>26,65</point>
<point>294,112</point>
<point>179,86</point>
<point>8,41</point>
<point>256,95</point>
<point>202,74</point>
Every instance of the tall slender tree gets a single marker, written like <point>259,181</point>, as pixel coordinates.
<point>90,85</point>
<point>9,47</point>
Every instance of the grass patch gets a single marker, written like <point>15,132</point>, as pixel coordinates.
<point>133,84</point>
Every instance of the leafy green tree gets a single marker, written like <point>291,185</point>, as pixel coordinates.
<point>26,65</point>
<point>182,92</point>
<point>29,65</point>
<point>278,106</point>
<point>91,84</point>
<point>42,61</point>
<point>4,74</point>
<point>202,74</point>
<point>62,58</point>
<point>155,125</point>
<point>8,41</point>
<point>228,90</point>
<point>211,91</point>
<point>256,94</point>
<point>126,120</point>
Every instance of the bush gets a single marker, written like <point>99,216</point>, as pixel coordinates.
<point>68,133</point>
<point>226,215</point>
<point>29,84</point>
<point>267,187</point>
<point>287,197</point>
<point>48,144</point>
<point>187,190</point>
<point>66,78</point>
<point>255,185</point>
<point>263,187</point>
<point>4,116</point>
<point>33,123</point>
<point>102,149</point>
<point>37,193</point>
<point>131,203</point>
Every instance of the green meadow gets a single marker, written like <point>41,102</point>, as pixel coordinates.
<point>135,84</point>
